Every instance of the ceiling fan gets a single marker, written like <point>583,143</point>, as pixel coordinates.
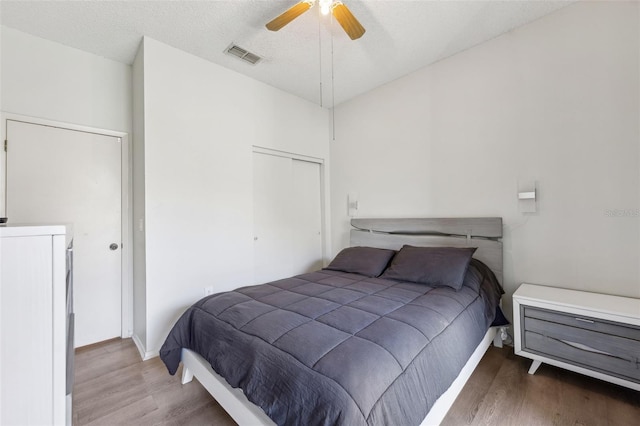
<point>341,12</point>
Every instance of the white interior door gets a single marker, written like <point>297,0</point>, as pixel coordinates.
<point>58,175</point>
<point>287,217</point>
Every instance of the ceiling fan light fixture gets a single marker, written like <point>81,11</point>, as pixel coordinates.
<point>339,10</point>
<point>325,6</point>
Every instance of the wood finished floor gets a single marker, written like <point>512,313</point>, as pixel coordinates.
<point>113,386</point>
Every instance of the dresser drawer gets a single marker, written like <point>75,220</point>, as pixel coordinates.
<point>551,347</point>
<point>584,322</point>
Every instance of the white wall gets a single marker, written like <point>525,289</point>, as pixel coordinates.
<point>44,79</point>
<point>200,123</point>
<point>556,101</point>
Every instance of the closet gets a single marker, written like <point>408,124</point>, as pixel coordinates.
<point>287,218</point>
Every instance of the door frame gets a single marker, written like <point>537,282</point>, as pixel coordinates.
<point>126,191</point>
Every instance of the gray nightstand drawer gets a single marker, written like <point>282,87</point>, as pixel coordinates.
<point>619,346</point>
<point>625,368</point>
<point>590,333</point>
<point>604,346</point>
<point>587,323</point>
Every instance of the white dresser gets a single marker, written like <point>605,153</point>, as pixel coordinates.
<point>594,334</point>
<point>36,325</point>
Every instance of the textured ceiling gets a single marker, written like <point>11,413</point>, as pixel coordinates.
<point>303,57</point>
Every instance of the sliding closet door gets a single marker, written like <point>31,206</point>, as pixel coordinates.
<point>307,219</point>
<point>271,210</point>
<point>286,216</point>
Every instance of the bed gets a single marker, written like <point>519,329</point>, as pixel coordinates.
<point>372,339</point>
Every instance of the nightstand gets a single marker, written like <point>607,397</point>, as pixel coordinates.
<point>593,334</point>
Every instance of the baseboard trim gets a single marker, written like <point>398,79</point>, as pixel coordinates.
<point>144,354</point>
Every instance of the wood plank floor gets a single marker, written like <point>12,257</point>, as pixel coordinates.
<point>113,386</point>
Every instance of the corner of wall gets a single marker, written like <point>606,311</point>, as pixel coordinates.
<point>144,354</point>
<point>139,235</point>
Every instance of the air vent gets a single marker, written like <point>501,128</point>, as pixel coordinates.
<point>243,54</point>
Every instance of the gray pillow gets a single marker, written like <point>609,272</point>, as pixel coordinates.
<point>368,261</point>
<point>434,266</point>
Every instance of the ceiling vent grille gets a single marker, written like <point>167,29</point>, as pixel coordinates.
<point>243,54</point>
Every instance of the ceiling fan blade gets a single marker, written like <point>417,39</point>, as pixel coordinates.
<point>346,19</point>
<point>289,15</point>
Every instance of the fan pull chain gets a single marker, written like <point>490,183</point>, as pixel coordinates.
<point>320,55</point>
<point>333,92</point>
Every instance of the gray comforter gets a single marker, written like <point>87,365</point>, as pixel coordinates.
<point>329,347</point>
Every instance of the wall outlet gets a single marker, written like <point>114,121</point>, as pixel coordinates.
<point>208,291</point>
<point>352,204</point>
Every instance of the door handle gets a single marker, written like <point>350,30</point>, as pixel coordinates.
<point>113,246</point>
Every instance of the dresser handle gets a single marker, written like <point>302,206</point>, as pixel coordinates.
<point>585,320</point>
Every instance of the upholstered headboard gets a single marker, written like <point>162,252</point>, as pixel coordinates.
<point>481,232</point>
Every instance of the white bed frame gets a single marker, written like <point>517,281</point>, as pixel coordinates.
<point>483,233</point>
